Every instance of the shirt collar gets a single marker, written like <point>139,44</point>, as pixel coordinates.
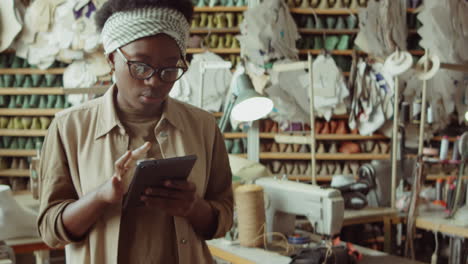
<point>108,118</point>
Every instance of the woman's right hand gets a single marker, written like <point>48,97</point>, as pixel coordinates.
<point>113,190</point>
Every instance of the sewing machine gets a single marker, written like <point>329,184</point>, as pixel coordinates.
<point>285,199</point>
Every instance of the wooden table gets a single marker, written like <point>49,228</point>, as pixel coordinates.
<point>373,215</point>
<point>236,254</point>
<point>435,221</point>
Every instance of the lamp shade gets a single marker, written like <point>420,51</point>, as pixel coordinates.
<point>249,105</point>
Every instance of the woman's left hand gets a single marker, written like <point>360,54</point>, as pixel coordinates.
<point>176,198</point>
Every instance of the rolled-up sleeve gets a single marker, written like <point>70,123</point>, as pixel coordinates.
<point>219,191</point>
<point>56,189</point>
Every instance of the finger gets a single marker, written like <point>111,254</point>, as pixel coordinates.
<point>180,185</point>
<point>167,194</point>
<point>156,202</point>
<point>119,164</point>
<point>137,154</point>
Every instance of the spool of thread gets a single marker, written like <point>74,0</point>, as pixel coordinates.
<point>405,112</point>
<point>444,145</point>
<point>439,189</point>
<point>417,110</point>
<point>429,115</point>
<point>250,214</point>
<point>456,151</point>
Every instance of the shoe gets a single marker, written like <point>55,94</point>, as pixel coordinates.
<point>196,20</point>
<point>14,144</point>
<point>17,123</point>
<point>304,4</point>
<point>230,20</point>
<point>201,3</point>
<point>346,169</point>
<point>220,20</point>
<point>340,23</point>
<point>240,18</point>
<point>19,101</point>
<point>60,103</point>
<point>315,3</point>
<point>14,164</point>
<point>309,22</point>
<point>350,148</point>
<point>35,123</point>
<point>274,128</point>
<point>326,128</point>
<point>203,20</point>
<point>333,148</point>
<point>11,123</point>
<point>4,122</point>
<point>221,41</point>
<point>213,3</point>
<point>331,42</point>
<point>23,164</point>
<point>318,43</point>
<point>275,148</point>
<point>45,122</point>
<point>42,102</point>
<point>228,143</point>
<point>343,43</point>
<point>342,129</point>
<point>28,83</point>
<point>333,126</point>
<point>210,23</point>
<point>331,21</point>
<point>289,167</point>
<point>354,166</point>
<point>275,167</point>
<point>29,143</point>
<point>21,142</point>
<point>351,21</point>
<point>26,121</point>
<point>384,147</point>
<point>320,148</point>
<point>235,43</point>
<point>237,146</point>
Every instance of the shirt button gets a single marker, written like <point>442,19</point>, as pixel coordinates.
<point>183,241</point>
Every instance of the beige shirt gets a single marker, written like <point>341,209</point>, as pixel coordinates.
<point>78,155</point>
<point>148,227</point>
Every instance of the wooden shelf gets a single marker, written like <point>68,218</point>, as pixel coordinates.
<point>307,156</point>
<point>214,30</point>
<point>221,9</point>
<point>435,177</point>
<point>218,51</point>
<point>328,31</point>
<point>28,112</point>
<point>14,173</point>
<point>52,90</point>
<point>439,138</point>
<point>348,52</point>
<point>27,71</point>
<point>335,137</point>
<point>332,11</point>
<point>18,152</point>
<point>23,132</point>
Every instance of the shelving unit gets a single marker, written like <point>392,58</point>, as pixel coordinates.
<point>14,173</point>
<point>215,9</point>
<point>52,90</point>
<point>214,30</point>
<point>217,51</point>
<point>334,137</point>
<point>18,152</point>
<point>331,11</point>
<point>28,111</point>
<point>31,71</point>
<point>22,132</point>
<point>325,157</point>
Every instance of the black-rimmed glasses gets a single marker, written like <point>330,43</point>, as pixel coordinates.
<point>143,71</point>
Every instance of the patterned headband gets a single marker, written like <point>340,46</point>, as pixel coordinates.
<point>127,26</point>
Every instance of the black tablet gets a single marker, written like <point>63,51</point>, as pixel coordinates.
<point>153,173</point>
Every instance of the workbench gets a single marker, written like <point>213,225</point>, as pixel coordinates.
<point>235,254</point>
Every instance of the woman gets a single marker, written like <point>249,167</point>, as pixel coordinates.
<point>86,167</point>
